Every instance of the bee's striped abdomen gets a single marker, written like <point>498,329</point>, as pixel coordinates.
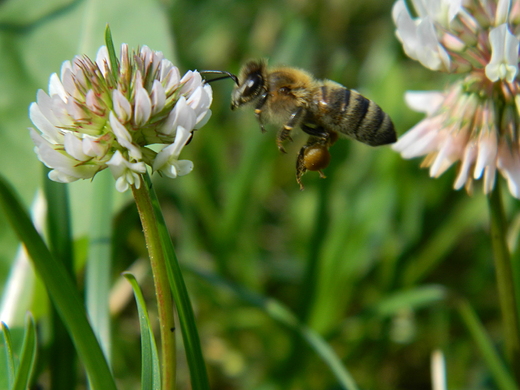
<point>356,116</point>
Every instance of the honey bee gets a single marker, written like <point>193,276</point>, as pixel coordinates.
<point>324,109</point>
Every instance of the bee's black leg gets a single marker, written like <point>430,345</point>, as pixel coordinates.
<point>316,131</point>
<point>285,131</point>
<point>258,110</point>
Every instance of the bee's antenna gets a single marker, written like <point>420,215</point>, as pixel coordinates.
<point>227,75</point>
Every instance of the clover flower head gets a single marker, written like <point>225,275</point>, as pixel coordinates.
<point>475,120</point>
<point>95,117</point>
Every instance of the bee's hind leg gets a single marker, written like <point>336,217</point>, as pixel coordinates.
<point>300,166</point>
<point>285,131</point>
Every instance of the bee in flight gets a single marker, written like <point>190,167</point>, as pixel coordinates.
<point>324,109</point>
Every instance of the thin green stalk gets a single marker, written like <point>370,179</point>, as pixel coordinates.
<point>162,286</point>
<point>505,282</point>
<point>190,335</point>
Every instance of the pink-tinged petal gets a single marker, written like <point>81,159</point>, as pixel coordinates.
<point>422,139</point>
<point>487,152</point>
<point>124,138</point>
<point>164,69</point>
<point>61,161</point>
<point>56,88</point>
<point>151,59</point>
<point>429,51</point>
<point>502,12</point>
<point>67,79</point>
<point>508,163</point>
<point>171,80</point>
<point>489,178</point>
<point>74,147</point>
<point>452,150</point>
<point>45,103</point>
<point>468,159</point>
<point>52,133</point>
<point>66,66</point>
<point>93,148</point>
<point>61,177</point>
<point>60,111</point>
<point>424,101</point>
<point>406,29</point>
<point>191,80</point>
<point>143,104</point>
<point>94,103</point>
<point>168,156</point>
<point>181,115</point>
<point>122,106</point>
<point>125,172</point>
<point>158,97</point>
<point>124,60</point>
<point>184,167</point>
<point>103,60</point>
<point>203,120</point>
<point>200,102</point>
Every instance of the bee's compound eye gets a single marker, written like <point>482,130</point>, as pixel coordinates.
<point>316,157</point>
<point>252,85</point>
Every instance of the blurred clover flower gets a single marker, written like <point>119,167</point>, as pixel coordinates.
<point>96,117</point>
<point>475,120</point>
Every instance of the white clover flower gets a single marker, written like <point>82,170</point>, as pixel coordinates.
<point>474,121</point>
<point>94,118</point>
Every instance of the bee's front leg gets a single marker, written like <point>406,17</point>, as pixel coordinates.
<point>285,131</point>
<point>258,110</point>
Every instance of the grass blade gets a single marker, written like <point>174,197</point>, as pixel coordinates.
<point>62,353</point>
<point>503,378</point>
<point>61,290</point>
<point>150,368</point>
<point>99,262</point>
<point>8,370</point>
<point>28,355</point>
<point>284,316</point>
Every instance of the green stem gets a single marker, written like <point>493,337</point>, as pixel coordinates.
<point>162,286</point>
<point>505,282</point>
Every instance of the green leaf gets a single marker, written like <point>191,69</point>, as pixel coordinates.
<point>496,366</point>
<point>61,290</point>
<point>7,371</point>
<point>150,368</point>
<point>28,355</point>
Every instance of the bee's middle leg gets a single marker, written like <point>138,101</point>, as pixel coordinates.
<point>285,131</point>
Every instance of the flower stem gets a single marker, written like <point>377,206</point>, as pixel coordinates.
<point>162,286</point>
<point>505,282</point>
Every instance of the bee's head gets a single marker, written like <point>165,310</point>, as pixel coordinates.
<point>252,82</point>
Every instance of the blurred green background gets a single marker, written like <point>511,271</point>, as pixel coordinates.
<point>371,258</point>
